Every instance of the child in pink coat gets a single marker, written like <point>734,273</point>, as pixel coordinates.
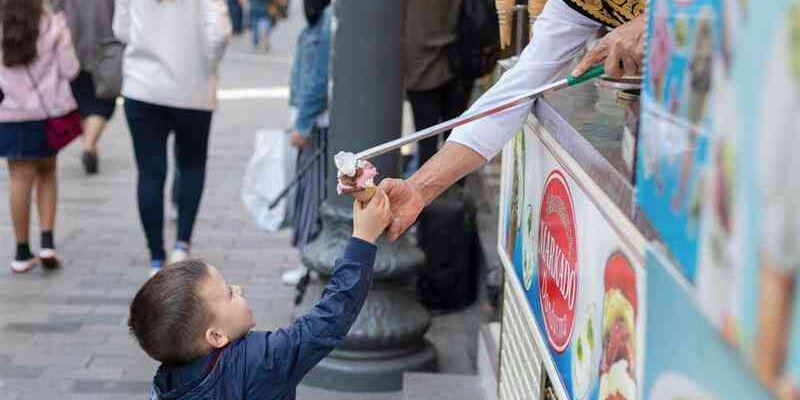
<point>38,62</point>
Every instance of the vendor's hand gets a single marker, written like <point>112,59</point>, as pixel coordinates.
<point>406,204</point>
<point>371,219</point>
<point>622,50</point>
<point>299,141</point>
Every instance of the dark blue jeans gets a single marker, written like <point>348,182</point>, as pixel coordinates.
<point>237,16</point>
<point>150,126</point>
<point>260,23</point>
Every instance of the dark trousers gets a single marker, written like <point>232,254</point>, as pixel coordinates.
<point>237,16</point>
<point>150,126</point>
<point>431,107</point>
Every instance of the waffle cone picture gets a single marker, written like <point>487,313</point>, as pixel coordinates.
<point>505,13</point>
<point>535,8</point>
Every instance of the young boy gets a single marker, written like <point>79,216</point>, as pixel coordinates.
<point>194,323</point>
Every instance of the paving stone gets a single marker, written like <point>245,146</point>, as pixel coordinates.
<point>73,374</point>
<point>97,300</point>
<point>20,371</point>
<point>38,358</point>
<point>42,384</point>
<point>113,309</point>
<point>66,340</point>
<point>441,387</point>
<point>308,392</point>
<point>44,327</point>
<point>88,318</point>
<point>9,394</point>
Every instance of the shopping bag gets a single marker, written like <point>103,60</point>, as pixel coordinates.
<point>268,171</point>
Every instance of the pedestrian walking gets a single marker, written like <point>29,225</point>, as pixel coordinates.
<point>173,53</point>
<point>435,91</point>
<point>261,23</point>
<point>309,96</point>
<point>97,86</point>
<point>38,62</point>
<point>236,11</point>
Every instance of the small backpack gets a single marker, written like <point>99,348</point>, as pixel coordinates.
<point>477,47</point>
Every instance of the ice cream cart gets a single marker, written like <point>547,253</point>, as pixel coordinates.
<point>651,241</point>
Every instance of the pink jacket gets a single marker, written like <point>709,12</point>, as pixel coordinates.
<point>52,71</point>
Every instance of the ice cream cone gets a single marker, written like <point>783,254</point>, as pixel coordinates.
<point>505,14</point>
<point>364,196</point>
<point>535,8</point>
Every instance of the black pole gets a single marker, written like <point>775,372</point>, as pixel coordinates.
<point>367,77</point>
<point>366,109</point>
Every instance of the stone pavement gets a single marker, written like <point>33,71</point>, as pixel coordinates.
<point>64,333</point>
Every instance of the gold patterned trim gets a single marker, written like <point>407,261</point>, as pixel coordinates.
<point>610,12</point>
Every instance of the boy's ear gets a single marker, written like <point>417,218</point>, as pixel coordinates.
<point>216,338</point>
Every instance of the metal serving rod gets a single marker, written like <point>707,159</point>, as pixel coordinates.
<point>469,117</point>
<point>384,148</point>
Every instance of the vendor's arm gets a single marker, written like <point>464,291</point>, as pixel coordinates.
<point>409,197</point>
<point>559,33</point>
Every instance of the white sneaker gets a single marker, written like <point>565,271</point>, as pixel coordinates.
<point>293,276</point>
<point>155,266</point>
<point>179,253</point>
<point>49,259</point>
<point>24,266</point>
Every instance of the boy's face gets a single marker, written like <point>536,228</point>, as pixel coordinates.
<point>232,316</point>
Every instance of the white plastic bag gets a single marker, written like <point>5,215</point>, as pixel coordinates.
<point>270,169</point>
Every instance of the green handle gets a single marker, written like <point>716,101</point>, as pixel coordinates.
<point>593,72</point>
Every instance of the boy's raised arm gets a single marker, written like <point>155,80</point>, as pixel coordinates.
<point>288,354</point>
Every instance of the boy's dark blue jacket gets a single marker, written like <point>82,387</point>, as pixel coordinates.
<point>270,365</point>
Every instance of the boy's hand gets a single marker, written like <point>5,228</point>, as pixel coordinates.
<point>371,219</point>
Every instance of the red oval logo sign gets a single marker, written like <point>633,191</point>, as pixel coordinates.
<point>558,261</point>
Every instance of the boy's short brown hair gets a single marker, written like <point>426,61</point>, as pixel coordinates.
<point>168,317</point>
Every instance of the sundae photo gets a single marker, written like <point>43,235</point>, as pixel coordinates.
<point>618,364</point>
<point>356,177</point>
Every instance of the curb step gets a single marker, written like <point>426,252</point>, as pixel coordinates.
<point>483,386</point>
<point>428,386</point>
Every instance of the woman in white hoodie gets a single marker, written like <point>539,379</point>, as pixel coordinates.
<point>174,48</point>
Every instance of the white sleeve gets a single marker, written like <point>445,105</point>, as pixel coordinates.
<point>559,33</point>
<point>218,31</point>
<point>122,20</point>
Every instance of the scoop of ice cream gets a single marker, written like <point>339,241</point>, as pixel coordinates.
<point>362,178</point>
<point>346,163</point>
<point>619,331</point>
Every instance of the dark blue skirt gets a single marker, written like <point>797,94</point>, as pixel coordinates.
<point>24,140</point>
<point>304,215</point>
